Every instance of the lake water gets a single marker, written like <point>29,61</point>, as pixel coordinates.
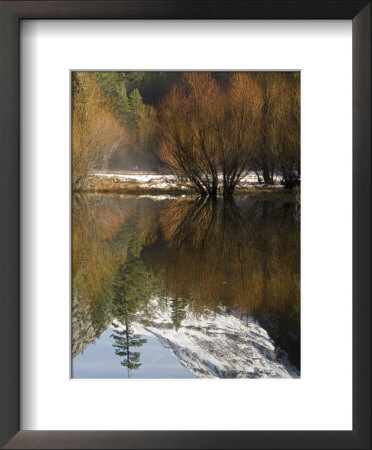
<point>185,287</point>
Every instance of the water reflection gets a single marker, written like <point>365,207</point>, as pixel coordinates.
<point>124,341</point>
<point>203,277</point>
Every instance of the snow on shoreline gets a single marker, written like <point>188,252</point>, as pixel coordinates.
<point>220,346</point>
<point>143,179</point>
<point>154,180</point>
<point>138,177</point>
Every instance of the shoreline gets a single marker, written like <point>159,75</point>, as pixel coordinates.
<point>167,185</point>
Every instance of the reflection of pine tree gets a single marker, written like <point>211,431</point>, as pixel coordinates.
<point>132,290</point>
<point>178,313</point>
<point>124,341</point>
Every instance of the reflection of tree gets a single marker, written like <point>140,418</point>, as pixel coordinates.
<point>209,255</point>
<point>124,341</point>
<point>94,264</point>
<point>134,288</point>
<point>178,312</point>
<point>105,231</point>
<point>217,253</point>
<point>94,258</point>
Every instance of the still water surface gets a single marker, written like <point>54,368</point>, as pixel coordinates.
<point>185,288</point>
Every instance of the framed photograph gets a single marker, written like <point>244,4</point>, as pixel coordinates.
<point>186,216</point>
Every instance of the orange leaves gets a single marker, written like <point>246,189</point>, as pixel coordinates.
<point>208,128</point>
<point>244,109</point>
<point>245,94</point>
<point>188,128</point>
<point>96,133</point>
<point>281,124</point>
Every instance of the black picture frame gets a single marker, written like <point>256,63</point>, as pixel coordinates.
<point>11,12</point>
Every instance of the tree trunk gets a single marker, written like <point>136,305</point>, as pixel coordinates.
<point>228,190</point>
<point>258,176</point>
<point>213,192</point>
<point>267,176</point>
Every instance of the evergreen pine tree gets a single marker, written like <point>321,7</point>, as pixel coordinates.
<point>122,102</point>
<point>136,109</point>
<point>113,85</point>
<point>124,341</point>
<point>109,82</point>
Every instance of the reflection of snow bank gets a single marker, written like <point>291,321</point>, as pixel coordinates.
<point>221,346</point>
<point>158,185</point>
<point>266,186</point>
<point>159,197</point>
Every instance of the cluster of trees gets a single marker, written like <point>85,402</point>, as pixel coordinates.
<point>96,133</point>
<point>110,129</point>
<point>205,127</point>
<point>249,123</point>
<point>138,118</point>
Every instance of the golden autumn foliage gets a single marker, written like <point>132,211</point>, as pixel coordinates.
<point>240,128</point>
<point>189,121</point>
<point>253,123</point>
<point>279,146</point>
<point>96,133</point>
<point>209,128</point>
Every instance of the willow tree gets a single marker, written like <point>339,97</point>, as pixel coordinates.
<point>240,129</point>
<point>208,129</point>
<point>284,130</point>
<point>190,116</point>
<point>279,146</point>
<point>96,133</point>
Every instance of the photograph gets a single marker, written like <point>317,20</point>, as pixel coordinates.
<point>185,224</point>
